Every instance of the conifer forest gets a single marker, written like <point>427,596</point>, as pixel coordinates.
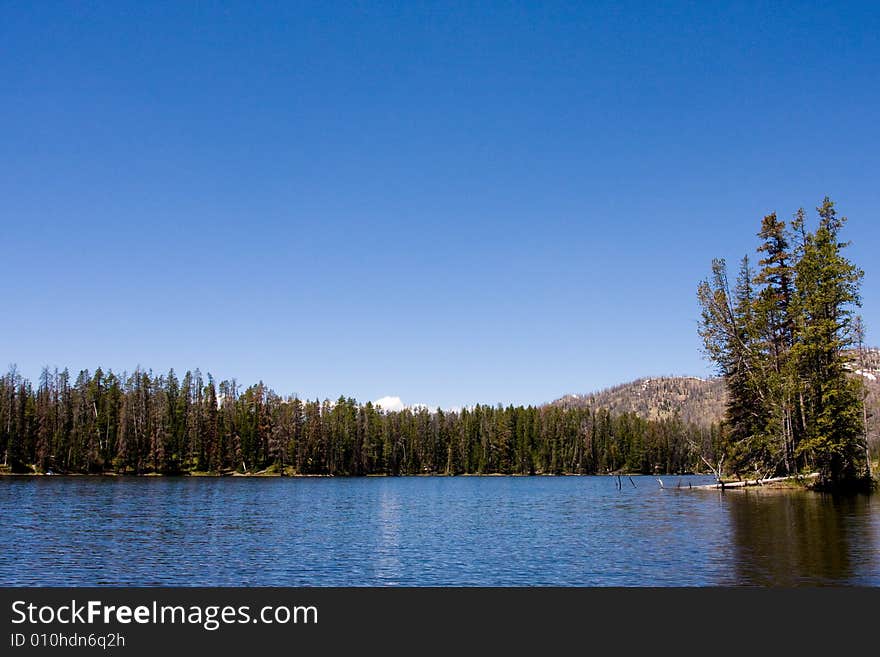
<point>781,335</point>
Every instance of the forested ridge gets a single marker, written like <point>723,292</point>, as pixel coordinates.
<point>141,423</point>
<point>703,401</point>
<point>695,400</point>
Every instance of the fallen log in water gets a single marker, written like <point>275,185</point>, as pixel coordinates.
<point>752,482</point>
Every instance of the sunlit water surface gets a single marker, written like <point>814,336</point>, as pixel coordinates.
<point>461,531</point>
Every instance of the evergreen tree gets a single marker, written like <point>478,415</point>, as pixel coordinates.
<point>781,342</point>
<point>729,331</point>
<point>776,327</point>
<point>827,293</point>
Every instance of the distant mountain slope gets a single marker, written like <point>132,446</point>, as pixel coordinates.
<point>696,400</point>
<point>702,401</point>
<point>866,364</point>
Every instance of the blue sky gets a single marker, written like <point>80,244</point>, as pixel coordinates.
<point>447,202</point>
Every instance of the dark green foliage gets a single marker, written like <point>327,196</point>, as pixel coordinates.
<point>141,423</point>
<point>827,292</point>
<point>782,341</point>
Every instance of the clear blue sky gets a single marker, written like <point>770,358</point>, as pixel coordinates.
<point>448,202</point>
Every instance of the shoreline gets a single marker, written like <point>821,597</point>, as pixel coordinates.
<point>795,482</point>
<point>276,475</point>
<point>807,482</point>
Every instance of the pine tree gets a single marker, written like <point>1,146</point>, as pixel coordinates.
<point>775,325</point>
<point>827,293</point>
<point>729,331</point>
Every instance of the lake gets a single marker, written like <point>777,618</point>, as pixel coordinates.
<point>458,531</point>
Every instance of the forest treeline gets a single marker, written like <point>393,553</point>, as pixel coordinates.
<point>140,423</point>
<point>785,339</point>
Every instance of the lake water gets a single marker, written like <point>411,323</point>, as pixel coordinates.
<point>428,531</point>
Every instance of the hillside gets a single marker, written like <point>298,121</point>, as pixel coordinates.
<point>701,401</point>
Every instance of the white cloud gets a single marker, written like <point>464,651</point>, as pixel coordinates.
<point>390,403</point>
<point>394,403</point>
